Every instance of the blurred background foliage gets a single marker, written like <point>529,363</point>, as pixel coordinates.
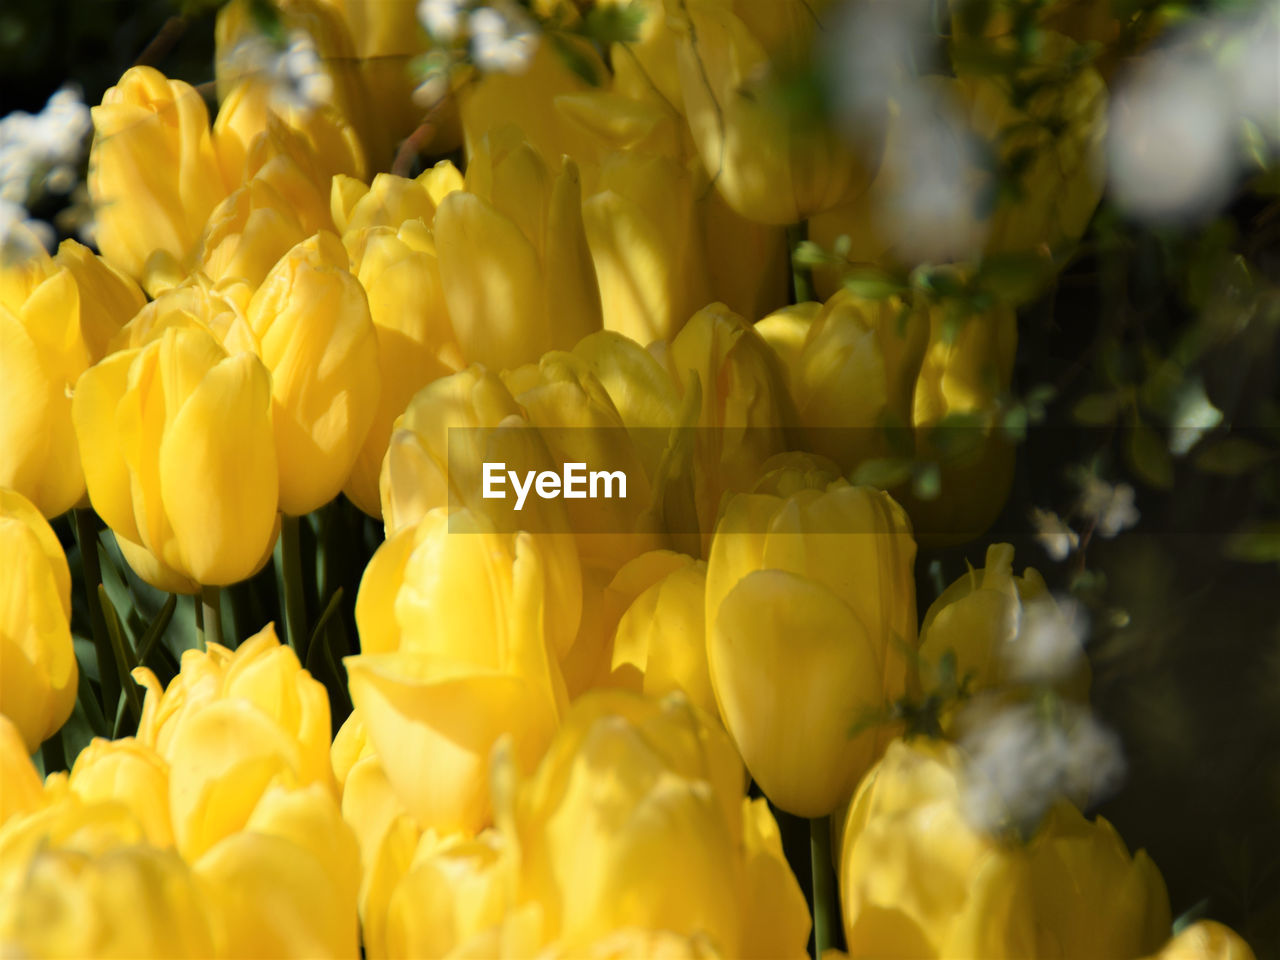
<point>1153,360</point>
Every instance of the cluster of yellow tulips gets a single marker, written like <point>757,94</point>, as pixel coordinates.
<point>555,727</point>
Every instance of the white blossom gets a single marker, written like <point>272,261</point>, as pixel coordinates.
<point>42,151</point>
<point>445,20</point>
<point>1049,642</point>
<point>1111,508</point>
<point>1057,538</point>
<point>295,72</point>
<point>21,237</point>
<point>503,38</point>
<point>1023,759</point>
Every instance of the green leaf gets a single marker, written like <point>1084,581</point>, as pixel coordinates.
<point>615,23</point>
<point>1097,409</point>
<point>871,283</point>
<point>810,254</point>
<point>124,660</point>
<point>1258,545</point>
<point>156,629</point>
<point>958,434</point>
<point>1232,456</point>
<point>1014,276</point>
<point>1149,455</point>
<point>885,473</point>
<point>573,57</point>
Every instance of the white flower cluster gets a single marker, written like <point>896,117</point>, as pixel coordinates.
<point>1182,121</point>
<point>39,154</point>
<point>1022,758</point>
<point>503,37</point>
<point>295,71</point>
<point>1109,509</point>
<point>1049,643</point>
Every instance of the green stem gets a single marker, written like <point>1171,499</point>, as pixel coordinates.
<point>824,912</point>
<point>91,575</point>
<point>290,574</point>
<point>801,277</point>
<point>211,614</point>
<point>53,753</point>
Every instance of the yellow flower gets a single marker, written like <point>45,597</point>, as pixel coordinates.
<point>459,628</point>
<point>129,902</point>
<point>771,162</point>
<point>401,277</point>
<point>636,820</point>
<point>1206,940</point>
<point>154,176</point>
<point>810,600</point>
<point>311,318</point>
<point>286,885</point>
<point>517,271</point>
<point>641,222</point>
<point>248,232</point>
<point>989,618</point>
<point>56,316</point>
<point>732,388</point>
<point>176,440</point>
<point>661,639</point>
<point>228,725</point>
<point>38,673</point>
<point>390,201</point>
<point>917,880</point>
<point>131,772</point>
<point>23,792</point>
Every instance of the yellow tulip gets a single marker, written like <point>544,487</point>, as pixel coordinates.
<point>38,672</point>
<point>23,792</point>
<point>644,234</point>
<point>517,270</point>
<point>439,444</point>
<point>733,389</point>
<point>56,316</point>
<point>636,820</point>
<point>459,628</point>
<point>131,772</point>
<point>1004,629</point>
<point>770,162</point>
<point>390,201</point>
<point>247,233</point>
<point>662,637</point>
<point>416,345</point>
<point>810,600</point>
<point>286,885</point>
<point>1071,891</point>
<point>128,902</point>
<point>154,176</point>
<point>311,318</point>
<point>176,439</point>
<point>1206,940</point>
<point>578,422</point>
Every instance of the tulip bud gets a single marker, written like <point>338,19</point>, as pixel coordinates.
<point>39,678</point>
<point>810,600</point>
<point>517,271</point>
<point>636,819</point>
<point>23,792</point>
<point>734,56</point>
<point>311,317</point>
<point>133,901</point>
<point>154,176</point>
<point>132,773</point>
<point>56,316</point>
<point>247,233</point>
<point>389,200</point>
<point>401,278</point>
<point>1206,940</point>
<point>1071,891</point>
<point>458,626</point>
<point>176,440</point>
<point>647,246</point>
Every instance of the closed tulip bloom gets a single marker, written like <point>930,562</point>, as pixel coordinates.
<point>459,628</point>
<point>131,772</point>
<point>636,820</point>
<point>810,600</point>
<point>57,315</point>
<point>23,792</point>
<point>1071,891</point>
<point>517,270</point>
<point>1005,629</point>
<point>248,232</point>
<point>176,437</point>
<point>38,673</point>
<point>311,317</point>
<point>129,902</point>
<point>644,234</point>
<point>1206,940</point>
<point>771,164</point>
<point>661,639</point>
<point>154,176</point>
<point>401,277</point>
<point>389,200</point>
